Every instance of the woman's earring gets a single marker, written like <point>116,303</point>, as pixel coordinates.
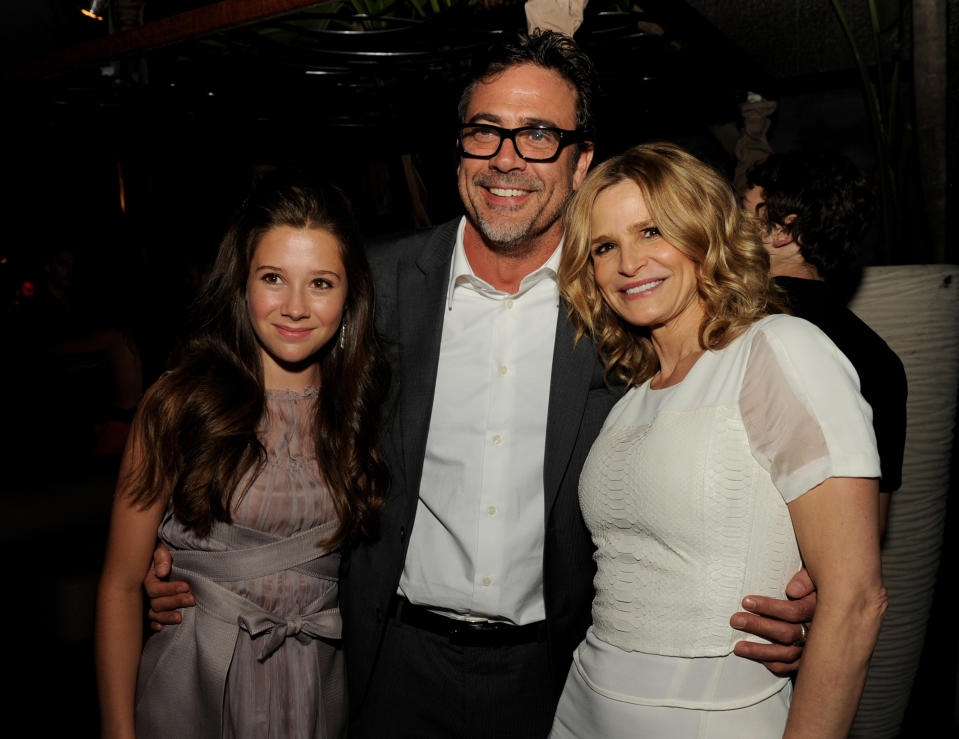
<point>343,334</point>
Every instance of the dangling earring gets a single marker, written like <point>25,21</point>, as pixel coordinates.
<point>343,334</point>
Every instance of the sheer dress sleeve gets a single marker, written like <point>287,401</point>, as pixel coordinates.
<point>805,418</point>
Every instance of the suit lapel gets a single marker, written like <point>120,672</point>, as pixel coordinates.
<point>569,387</point>
<point>420,303</point>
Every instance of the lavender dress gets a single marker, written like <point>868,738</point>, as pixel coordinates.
<point>260,654</point>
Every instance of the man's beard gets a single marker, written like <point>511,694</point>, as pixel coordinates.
<point>515,238</point>
<point>511,237</point>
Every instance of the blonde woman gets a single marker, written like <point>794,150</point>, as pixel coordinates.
<point>741,450</point>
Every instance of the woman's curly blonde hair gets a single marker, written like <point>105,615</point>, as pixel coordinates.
<point>696,211</point>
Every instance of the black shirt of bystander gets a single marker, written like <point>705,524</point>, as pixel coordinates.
<point>881,374</point>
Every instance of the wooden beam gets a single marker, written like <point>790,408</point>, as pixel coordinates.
<point>163,32</point>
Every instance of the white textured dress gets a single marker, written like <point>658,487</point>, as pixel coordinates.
<point>685,492</point>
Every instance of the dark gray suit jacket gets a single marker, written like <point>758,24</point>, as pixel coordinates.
<point>411,286</point>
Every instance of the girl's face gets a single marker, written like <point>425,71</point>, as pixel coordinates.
<point>295,292</point>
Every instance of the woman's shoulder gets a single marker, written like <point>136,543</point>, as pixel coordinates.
<point>782,328</point>
<point>798,345</point>
<point>780,339</point>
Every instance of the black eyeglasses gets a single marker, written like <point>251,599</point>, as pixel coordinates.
<point>532,143</point>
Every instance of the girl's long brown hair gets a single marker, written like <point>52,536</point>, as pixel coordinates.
<point>197,425</point>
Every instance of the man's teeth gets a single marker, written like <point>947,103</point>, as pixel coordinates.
<point>504,192</point>
<point>643,288</point>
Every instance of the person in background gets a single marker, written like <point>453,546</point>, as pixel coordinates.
<point>815,209</point>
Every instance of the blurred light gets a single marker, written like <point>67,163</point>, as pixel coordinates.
<point>95,9</point>
<point>122,187</point>
<point>27,289</point>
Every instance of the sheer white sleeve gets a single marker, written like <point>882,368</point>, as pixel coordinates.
<point>804,416</point>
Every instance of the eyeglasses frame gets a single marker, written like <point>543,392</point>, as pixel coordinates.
<point>566,138</point>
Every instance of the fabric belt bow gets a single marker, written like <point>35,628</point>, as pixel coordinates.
<point>323,624</point>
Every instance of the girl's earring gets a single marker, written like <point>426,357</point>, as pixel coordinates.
<point>343,334</point>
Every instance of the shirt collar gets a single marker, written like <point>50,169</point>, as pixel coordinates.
<point>462,275</point>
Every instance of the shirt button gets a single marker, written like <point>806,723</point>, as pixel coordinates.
<point>491,510</point>
<point>487,580</point>
<point>510,303</point>
<point>503,369</point>
<point>497,439</point>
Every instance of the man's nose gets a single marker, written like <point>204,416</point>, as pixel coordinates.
<point>507,158</point>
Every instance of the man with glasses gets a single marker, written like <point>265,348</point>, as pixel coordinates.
<point>482,580</point>
<point>461,620</point>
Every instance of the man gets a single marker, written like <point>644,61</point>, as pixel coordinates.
<point>495,531</point>
<point>461,620</point>
<point>815,209</point>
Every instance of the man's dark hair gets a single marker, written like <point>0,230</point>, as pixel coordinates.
<point>831,199</point>
<point>547,49</point>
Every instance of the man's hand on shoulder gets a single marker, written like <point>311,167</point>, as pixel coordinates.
<point>165,597</point>
<point>782,622</point>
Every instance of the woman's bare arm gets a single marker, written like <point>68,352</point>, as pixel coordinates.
<point>837,527</point>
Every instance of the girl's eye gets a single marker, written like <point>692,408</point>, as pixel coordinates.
<point>650,233</point>
<point>322,284</point>
<point>271,278</point>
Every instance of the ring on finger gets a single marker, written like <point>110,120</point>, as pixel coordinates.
<point>801,641</point>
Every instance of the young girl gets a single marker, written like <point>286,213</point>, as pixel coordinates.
<point>256,458</point>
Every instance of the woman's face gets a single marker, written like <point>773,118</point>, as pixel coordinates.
<point>643,278</point>
<point>295,292</point>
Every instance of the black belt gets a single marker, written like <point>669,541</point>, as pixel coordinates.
<point>466,633</point>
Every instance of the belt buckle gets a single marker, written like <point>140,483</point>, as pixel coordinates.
<point>474,634</point>
<point>467,634</point>
<point>456,634</point>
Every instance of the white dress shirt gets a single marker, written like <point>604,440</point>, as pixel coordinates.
<point>476,549</point>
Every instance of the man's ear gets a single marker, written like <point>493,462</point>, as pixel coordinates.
<point>582,165</point>
<point>781,234</point>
